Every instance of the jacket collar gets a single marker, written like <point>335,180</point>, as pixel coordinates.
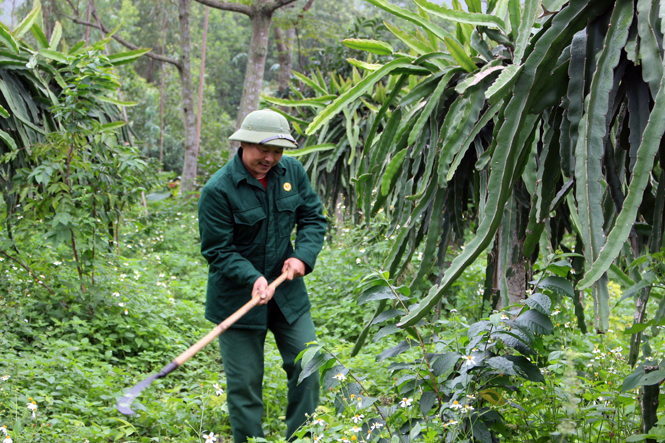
<point>239,172</point>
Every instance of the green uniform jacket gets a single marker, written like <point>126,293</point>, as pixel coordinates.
<point>246,233</point>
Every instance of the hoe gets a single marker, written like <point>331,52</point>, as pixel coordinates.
<point>126,400</point>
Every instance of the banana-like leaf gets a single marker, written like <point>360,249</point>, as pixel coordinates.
<point>309,82</point>
<point>56,35</point>
<point>416,19</point>
<point>413,43</point>
<point>310,149</point>
<point>374,46</point>
<point>27,22</point>
<point>590,149</point>
<point>53,55</point>
<point>523,36</point>
<point>641,174</point>
<point>469,18</point>
<point>429,107</point>
<point>652,67</point>
<point>7,40</point>
<point>503,84</point>
<point>460,55</point>
<point>8,140</point>
<point>354,93</point>
<point>507,154</point>
<point>127,56</point>
<point>116,102</point>
<point>371,67</point>
<point>37,32</point>
<point>394,166</point>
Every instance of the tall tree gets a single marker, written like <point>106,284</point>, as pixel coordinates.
<point>260,14</point>
<point>184,70</point>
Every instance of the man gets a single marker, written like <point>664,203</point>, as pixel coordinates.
<point>247,212</point>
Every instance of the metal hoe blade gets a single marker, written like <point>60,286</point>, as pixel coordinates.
<point>126,400</point>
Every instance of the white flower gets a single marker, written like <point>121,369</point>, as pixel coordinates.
<point>468,408</point>
<point>357,261</point>
<point>406,402</point>
<point>317,438</point>
<point>556,312</point>
<point>504,317</point>
<point>471,397</point>
<point>318,422</point>
<point>5,377</point>
<point>57,263</point>
<point>376,425</point>
<point>33,407</point>
<point>450,423</point>
<point>121,304</point>
<point>340,377</point>
<point>357,418</point>
<point>210,438</point>
<point>356,429</point>
<point>469,360</point>
<point>126,312</point>
<point>7,439</point>
<point>3,429</point>
<point>344,440</point>
<point>455,405</point>
<point>453,311</point>
<point>116,294</point>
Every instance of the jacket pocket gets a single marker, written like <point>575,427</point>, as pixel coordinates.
<point>248,224</point>
<point>286,213</point>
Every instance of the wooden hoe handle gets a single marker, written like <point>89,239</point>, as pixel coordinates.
<point>226,324</point>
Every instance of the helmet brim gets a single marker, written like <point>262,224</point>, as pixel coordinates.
<point>243,135</point>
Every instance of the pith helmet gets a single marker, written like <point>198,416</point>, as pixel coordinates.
<point>265,127</point>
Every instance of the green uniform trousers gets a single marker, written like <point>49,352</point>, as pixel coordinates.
<point>242,357</point>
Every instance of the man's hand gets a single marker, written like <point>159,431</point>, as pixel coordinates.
<point>262,290</point>
<point>295,267</point>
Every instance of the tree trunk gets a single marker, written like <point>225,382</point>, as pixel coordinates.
<point>189,119</point>
<point>284,43</point>
<point>199,112</point>
<point>256,62</point>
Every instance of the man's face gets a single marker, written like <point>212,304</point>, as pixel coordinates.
<point>259,159</point>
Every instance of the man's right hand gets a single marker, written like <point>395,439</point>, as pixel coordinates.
<point>262,290</point>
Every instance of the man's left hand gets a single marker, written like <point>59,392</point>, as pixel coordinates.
<point>295,268</point>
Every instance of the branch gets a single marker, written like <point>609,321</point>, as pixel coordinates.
<point>28,270</point>
<point>125,43</point>
<point>227,6</point>
<point>272,7</point>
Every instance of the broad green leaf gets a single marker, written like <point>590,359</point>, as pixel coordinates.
<point>373,46</point>
<point>9,141</point>
<point>376,293</point>
<point>37,32</point>
<point>526,369</point>
<point>53,55</point>
<point>354,93</point>
<point>397,350</point>
<point>539,302</point>
<point>309,149</point>
<point>27,22</point>
<point>3,112</point>
<point>536,322</point>
<point>647,280</point>
<point>127,56</point>
<point>445,363</point>
<point>470,18</point>
<point>7,40</point>
<point>502,364</point>
<point>652,378</point>
<point>56,35</point>
<point>460,55</point>
<point>365,332</point>
<point>558,285</point>
<point>632,381</point>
